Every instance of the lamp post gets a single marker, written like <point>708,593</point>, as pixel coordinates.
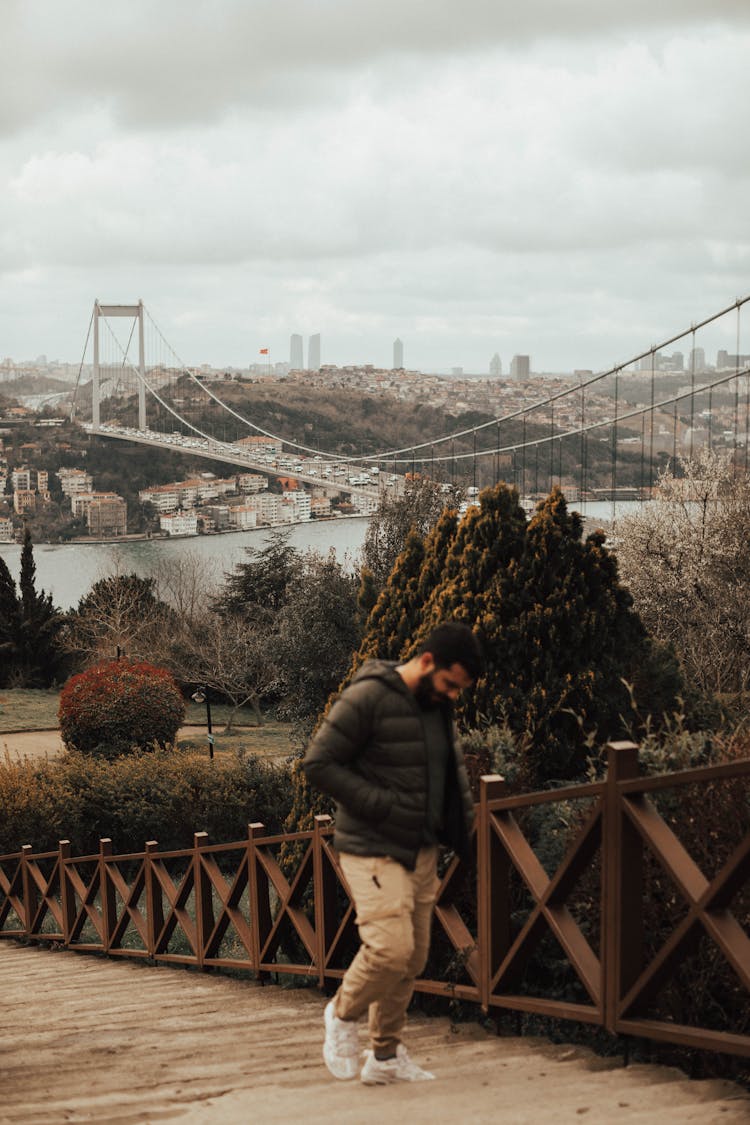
<point>201,696</point>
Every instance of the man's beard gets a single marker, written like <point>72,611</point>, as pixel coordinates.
<point>425,693</point>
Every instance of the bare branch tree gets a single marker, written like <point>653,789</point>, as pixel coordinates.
<point>188,582</point>
<point>120,615</point>
<point>229,656</point>
<point>686,559</point>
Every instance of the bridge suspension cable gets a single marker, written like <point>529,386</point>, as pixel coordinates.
<point>399,456</point>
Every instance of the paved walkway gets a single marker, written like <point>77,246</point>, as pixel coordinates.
<point>48,743</point>
<point>89,1039</point>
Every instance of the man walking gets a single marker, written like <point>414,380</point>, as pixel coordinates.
<point>386,754</point>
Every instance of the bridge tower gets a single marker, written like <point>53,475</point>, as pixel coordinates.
<point>135,312</point>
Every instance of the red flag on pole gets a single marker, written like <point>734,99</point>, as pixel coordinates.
<point>264,351</point>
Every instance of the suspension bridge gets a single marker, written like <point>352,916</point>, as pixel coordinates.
<point>604,435</point>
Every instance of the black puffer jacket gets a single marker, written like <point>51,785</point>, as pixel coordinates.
<point>370,756</point>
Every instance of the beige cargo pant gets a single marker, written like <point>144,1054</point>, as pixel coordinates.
<point>394,915</point>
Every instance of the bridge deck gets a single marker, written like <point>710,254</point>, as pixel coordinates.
<point>85,1039</point>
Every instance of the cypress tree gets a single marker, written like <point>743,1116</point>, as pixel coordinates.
<point>560,638</point>
<point>37,658</point>
<point>9,623</point>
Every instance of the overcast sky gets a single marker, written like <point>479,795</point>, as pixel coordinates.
<point>563,178</point>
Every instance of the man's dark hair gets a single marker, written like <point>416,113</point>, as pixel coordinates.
<point>454,643</point>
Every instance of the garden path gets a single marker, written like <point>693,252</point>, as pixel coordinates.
<point>48,743</point>
<point>89,1039</point>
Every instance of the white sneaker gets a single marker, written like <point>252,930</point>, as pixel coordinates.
<point>341,1046</point>
<point>381,1072</point>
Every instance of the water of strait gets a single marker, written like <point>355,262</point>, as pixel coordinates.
<point>67,571</point>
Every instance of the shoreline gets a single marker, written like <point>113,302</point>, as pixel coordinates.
<point>143,537</point>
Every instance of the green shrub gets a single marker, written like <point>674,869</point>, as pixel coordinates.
<point>163,795</point>
<point>118,705</point>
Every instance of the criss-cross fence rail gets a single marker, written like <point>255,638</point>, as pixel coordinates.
<point>607,884</point>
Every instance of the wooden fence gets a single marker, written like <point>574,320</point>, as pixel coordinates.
<point>606,883</point>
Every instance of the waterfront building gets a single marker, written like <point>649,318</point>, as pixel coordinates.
<point>179,523</point>
<point>300,501</point>
<point>243,516</point>
<point>6,529</point>
<point>81,502</point>
<point>164,497</point>
<point>107,515</point>
<point>215,517</point>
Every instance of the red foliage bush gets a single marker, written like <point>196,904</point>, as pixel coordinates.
<point>118,705</point>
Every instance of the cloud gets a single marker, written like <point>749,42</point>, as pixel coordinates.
<point>175,64</point>
<point>473,176</point>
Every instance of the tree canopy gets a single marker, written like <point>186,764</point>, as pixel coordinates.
<point>30,626</point>
<point>686,559</point>
<point>563,645</point>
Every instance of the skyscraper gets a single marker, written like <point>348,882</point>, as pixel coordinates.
<point>296,358</point>
<point>398,355</point>
<point>697,359</point>
<point>496,366</point>
<point>520,366</point>
<point>313,353</point>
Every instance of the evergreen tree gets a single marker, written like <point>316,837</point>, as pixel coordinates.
<point>396,612</point>
<point>9,623</point>
<point>37,660</point>
<point>561,640</point>
<point>259,587</point>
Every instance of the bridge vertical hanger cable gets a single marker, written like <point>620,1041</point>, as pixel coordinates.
<point>692,401</point>
<point>536,471</point>
<point>523,461</point>
<point>551,446</point>
<point>651,441</point>
<point>736,394</point>
<point>74,397</point>
<point>582,475</point>
<point>614,450</point>
<point>674,439</point>
<point>474,462</point>
<point>747,386</point>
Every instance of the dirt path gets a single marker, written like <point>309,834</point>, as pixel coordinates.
<point>85,1039</point>
<point>48,744</point>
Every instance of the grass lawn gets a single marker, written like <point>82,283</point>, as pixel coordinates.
<point>272,740</point>
<point>25,709</point>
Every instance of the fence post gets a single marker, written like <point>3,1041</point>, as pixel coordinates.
<point>622,877</point>
<point>30,895</point>
<point>106,894</point>
<point>204,912</point>
<point>492,888</point>
<point>67,899</point>
<point>154,903</point>
<point>324,890</point>
<point>256,910</point>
